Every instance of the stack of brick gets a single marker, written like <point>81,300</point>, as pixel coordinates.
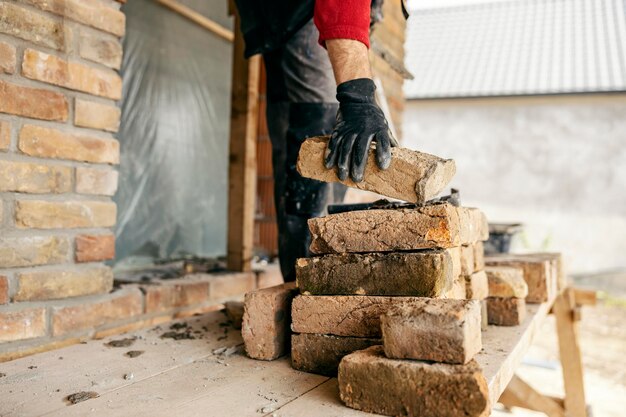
<point>506,305</point>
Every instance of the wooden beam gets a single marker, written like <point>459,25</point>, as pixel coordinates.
<point>199,19</point>
<point>242,156</point>
<point>585,297</point>
<point>519,394</point>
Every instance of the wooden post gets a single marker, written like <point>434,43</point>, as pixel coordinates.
<point>242,155</point>
<point>519,394</point>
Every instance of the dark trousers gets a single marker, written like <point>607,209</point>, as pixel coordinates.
<point>300,104</point>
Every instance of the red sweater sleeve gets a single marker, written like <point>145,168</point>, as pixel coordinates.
<point>343,19</point>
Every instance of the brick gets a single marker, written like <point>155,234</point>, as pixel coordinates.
<point>419,274</point>
<point>51,69</point>
<point>89,12</point>
<point>51,143</point>
<point>97,116</point>
<point>228,285</point>
<point>33,27</point>
<point>457,291</point>
<point>506,281</point>
<point>18,252</point>
<point>479,256</point>
<point>342,315</point>
<point>412,176</point>
<point>433,330</point>
<point>8,58</point>
<point>537,274</point>
<point>506,311</point>
<point>265,327</point>
<point>484,314</point>
<point>557,267</point>
<point>64,214</point>
<point>24,177</point>
<point>35,103</point>
<point>431,226</point>
<point>4,290</point>
<point>5,135</point>
<point>368,381</point>
<point>22,324</point>
<point>321,354</point>
<point>105,51</point>
<point>93,248</point>
<point>477,286</point>
<point>467,259</point>
<point>89,314</point>
<point>96,181</point>
<point>182,293</point>
<point>50,285</point>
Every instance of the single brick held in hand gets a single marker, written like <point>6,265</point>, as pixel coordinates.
<point>431,226</point>
<point>506,311</point>
<point>321,354</point>
<point>433,330</point>
<point>412,176</point>
<point>371,382</point>
<point>477,286</point>
<point>506,282</point>
<point>419,274</point>
<point>265,327</point>
<point>538,274</point>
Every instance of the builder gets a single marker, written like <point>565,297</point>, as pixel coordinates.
<point>303,43</point>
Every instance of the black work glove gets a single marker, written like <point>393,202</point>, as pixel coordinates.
<point>359,122</point>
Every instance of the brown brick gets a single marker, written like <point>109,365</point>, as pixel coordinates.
<point>168,296</point>
<point>89,12</point>
<point>556,263</point>
<point>92,248</point>
<point>228,285</point>
<point>96,181</point>
<point>51,69</point>
<point>433,330</point>
<point>321,354</point>
<point>49,285</point>
<point>4,290</point>
<point>431,226</point>
<point>35,103</point>
<point>7,58</point>
<point>542,285</point>
<point>368,381</point>
<point>506,311</point>
<point>418,274</point>
<point>51,143</point>
<point>412,176</point>
<point>64,214</point>
<point>97,116</point>
<point>121,305</point>
<point>5,135</point>
<point>479,256</point>
<point>24,177</point>
<point>33,27</point>
<point>33,250</point>
<point>265,327</point>
<point>106,51</point>
<point>477,286</point>
<point>506,281</point>
<point>22,324</point>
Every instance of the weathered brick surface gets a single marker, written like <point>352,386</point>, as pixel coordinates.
<point>479,256</point>
<point>369,381</point>
<point>477,286</point>
<point>34,27</point>
<point>8,58</point>
<point>106,51</point>
<point>457,291</point>
<point>96,116</point>
<point>506,311</point>
<point>412,176</point>
<point>227,285</point>
<point>96,181</point>
<point>537,274</point>
<point>343,315</point>
<point>5,135</point>
<point>25,177</point>
<point>51,69</point>
<point>321,354</point>
<point>506,281</point>
<point>182,293</point>
<point>419,274</point>
<point>54,284</point>
<point>89,12</point>
<point>265,327</point>
<point>432,226</point>
<point>93,313</point>
<point>92,248</point>
<point>39,214</point>
<point>4,290</point>
<point>22,324</point>
<point>433,330</point>
<point>32,102</point>
<point>51,143</point>
<point>557,267</point>
<point>467,259</point>
<point>33,250</point>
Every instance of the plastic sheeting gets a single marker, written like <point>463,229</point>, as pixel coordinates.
<point>172,198</point>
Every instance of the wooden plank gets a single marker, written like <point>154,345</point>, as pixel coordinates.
<point>585,297</point>
<point>518,393</point>
<point>199,19</point>
<point>242,155</point>
<point>570,353</point>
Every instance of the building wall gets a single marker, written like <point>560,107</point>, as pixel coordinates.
<point>557,164</point>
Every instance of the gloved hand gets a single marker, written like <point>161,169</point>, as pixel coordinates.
<point>359,122</point>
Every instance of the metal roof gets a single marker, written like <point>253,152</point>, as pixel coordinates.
<point>517,48</point>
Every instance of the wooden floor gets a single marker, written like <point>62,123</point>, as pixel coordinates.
<point>196,378</point>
